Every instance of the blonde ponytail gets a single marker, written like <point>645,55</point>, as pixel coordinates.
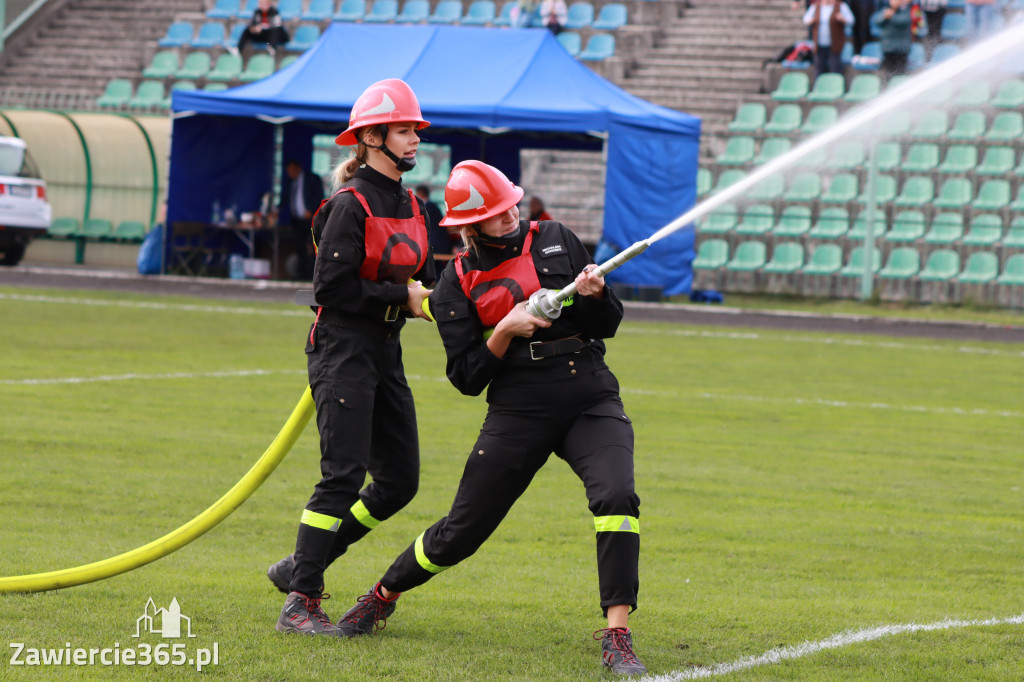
<point>344,171</point>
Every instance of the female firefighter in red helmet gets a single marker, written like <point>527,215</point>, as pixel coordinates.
<point>372,252</point>
<point>549,390</point>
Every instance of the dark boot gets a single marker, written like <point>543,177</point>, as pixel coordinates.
<point>370,613</point>
<point>303,615</point>
<point>617,651</point>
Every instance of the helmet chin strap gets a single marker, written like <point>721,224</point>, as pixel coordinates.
<point>403,164</point>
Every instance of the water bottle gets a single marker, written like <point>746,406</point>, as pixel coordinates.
<point>215,215</point>
<point>236,267</point>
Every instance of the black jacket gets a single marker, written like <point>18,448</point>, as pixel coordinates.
<point>312,194</point>
<point>339,231</point>
<point>559,257</point>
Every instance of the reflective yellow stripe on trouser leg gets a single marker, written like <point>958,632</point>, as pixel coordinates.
<point>363,516</point>
<point>423,561</point>
<point>617,524</point>
<point>321,521</point>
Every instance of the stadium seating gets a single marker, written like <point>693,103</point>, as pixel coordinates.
<point>864,86</point>
<point>806,187</point>
<point>826,259</point>
<point>1017,205</point>
<point>318,10</point>
<point>290,10</point>
<point>446,12</point>
<point>795,221</point>
<point>887,156</point>
<point>903,263</point>
<point>758,219</point>
<point>223,9</point>
<point>943,53</point>
<point>215,87</point>
<point>969,126</point>
<point>750,118</point>
<point>841,189</point>
<point>885,190</point>
<point>1014,237</point>
<point>739,150</point>
<point>974,94</point>
<point>382,12</point>
<point>960,158</point>
<point>179,34</point>
<point>719,221</point>
<point>63,227</point>
<point>997,161</point>
<point>954,26</point>
<point>771,148</point>
<point>703,181</point>
<point>1010,95</point>
<point>571,41</point>
<point>130,230</point>
<point>1007,126</point>
<point>787,258</point>
<point>921,158</point>
<point>982,267</point>
<point>917,191</point>
<point>581,15</point>
<point>859,231</point>
<point>235,35</point>
<point>350,10</point>
<point>210,35</point>
<point>819,118</point>
<point>855,266</point>
<point>793,86</point>
<point>769,189</point>
<point>711,254</point>
<point>828,88</point>
<point>413,12</point>
<point>955,194</point>
<point>163,65</point>
<point>993,195</point>
<point>612,16</point>
<point>749,256</point>
<point>833,222</point>
<point>907,226</point>
<point>916,57</point>
<point>97,228</point>
<point>504,17</point>
<point>149,94</point>
<point>942,266</point>
<point>847,155</point>
<point>257,68</point>
<point>304,37</point>
<point>178,85</point>
<point>946,229</point>
<point>931,125</point>
<point>481,12</point>
<point>1013,271</point>
<point>986,230</point>
<point>195,66</point>
<point>600,46</point>
<point>785,119</point>
<point>247,8</point>
<point>728,177</point>
<point>227,68</point>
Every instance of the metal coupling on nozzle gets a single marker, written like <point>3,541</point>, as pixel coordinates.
<point>544,304</point>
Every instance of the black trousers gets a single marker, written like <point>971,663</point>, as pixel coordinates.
<point>568,405</point>
<point>302,241</point>
<point>274,37</point>
<point>367,422</point>
<point>893,63</point>
<point>862,11</point>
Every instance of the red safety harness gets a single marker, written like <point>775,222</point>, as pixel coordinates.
<point>495,292</point>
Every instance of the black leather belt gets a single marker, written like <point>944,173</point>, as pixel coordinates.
<point>538,350</point>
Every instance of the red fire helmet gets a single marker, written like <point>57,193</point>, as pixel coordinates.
<point>386,101</point>
<point>476,192</point>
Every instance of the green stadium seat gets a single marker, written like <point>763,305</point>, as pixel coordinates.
<point>750,117</point>
<point>130,230</point>
<point>258,67</point>
<point>960,159</point>
<point>907,226</point>
<point>968,127</point>
<point>227,68</point>
<point>986,230</point>
<point>163,65</point>
<point>195,66</point>
<point>997,161</point>
<point>921,158</point>
<point>896,81</point>
<point>1007,126</point>
<point>826,259</point>
<point>917,191</point>
<point>793,86</point>
<point>64,227</point>
<point>758,219</point>
<point>974,94</point>
<point>864,86</point>
<point>703,182</point>
<point>771,148</point>
<point>887,156</point>
<point>855,266</point>
<point>833,222</point>
<point>982,267</point>
<point>1010,95</point>
<point>149,95</point>
<point>1013,271</point>
<point>288,61</point>
<point>1018,204</point>
<point>895,124</point>
<point>787,258</point>
<point>215,87</point>
<point>859,230</point>
<point>795,221</point>
<point>903,263</point>
<point>721,220</point>
<point>768,189</point>
<point>116,94</point>
<point>947,228</point>
<point>848,155</point>
<point>815,159</point>
<point>819,118</point>
<point>842,189</point>
<point>749,256</point>
<point>955,193</point>
<point>178,85</point>
<point>1014,237</point>
<point>931,125</point>
<point>739,150</point>
<point>97,228</point>
<point>942,266</point>
<point>785,119</point>
<point>806,187</point>
<point>993,195</point>
<point>711,254</point>
<point>727,178</point>
<point>828,87</point>
<point>885,190</point>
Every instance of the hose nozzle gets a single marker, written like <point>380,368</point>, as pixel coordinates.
<point>544,304</point>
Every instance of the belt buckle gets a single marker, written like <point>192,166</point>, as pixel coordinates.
<point>532,345</point>
<point>391,314</point>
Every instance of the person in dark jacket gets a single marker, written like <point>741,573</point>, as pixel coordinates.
<point>372,254</point>
<point>895,36</point>
<point>265,26</point>
<point>301,194</point>
<point>828,20</point>
<point>548,390</point>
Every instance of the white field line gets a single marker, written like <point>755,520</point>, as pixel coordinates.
<point>821,402</point>
<point>811,337</point>
<point>790,653</point>
<point>825,341</point>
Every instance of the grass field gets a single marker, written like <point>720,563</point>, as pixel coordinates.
<point>794,486</point>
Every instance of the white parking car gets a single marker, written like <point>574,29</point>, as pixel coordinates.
<point>24,211</point>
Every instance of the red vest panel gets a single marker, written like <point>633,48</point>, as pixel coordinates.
<point>495,292</point>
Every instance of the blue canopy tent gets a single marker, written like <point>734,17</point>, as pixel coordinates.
<point>488,93</point>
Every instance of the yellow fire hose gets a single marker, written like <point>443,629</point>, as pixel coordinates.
<point>176,539</point>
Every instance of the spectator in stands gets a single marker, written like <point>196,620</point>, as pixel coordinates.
<point>828,20</point>
<point>795,5</point>
<point>862,11</point>
<point>554,13</point>
<point>524,13</point>
<point>934,11</point>
<point>537,210</point>
<point>301,194</point>
<point>894,35</point>
<point>265,26</point>
<point>437,236</point>
<point>981,17</point>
